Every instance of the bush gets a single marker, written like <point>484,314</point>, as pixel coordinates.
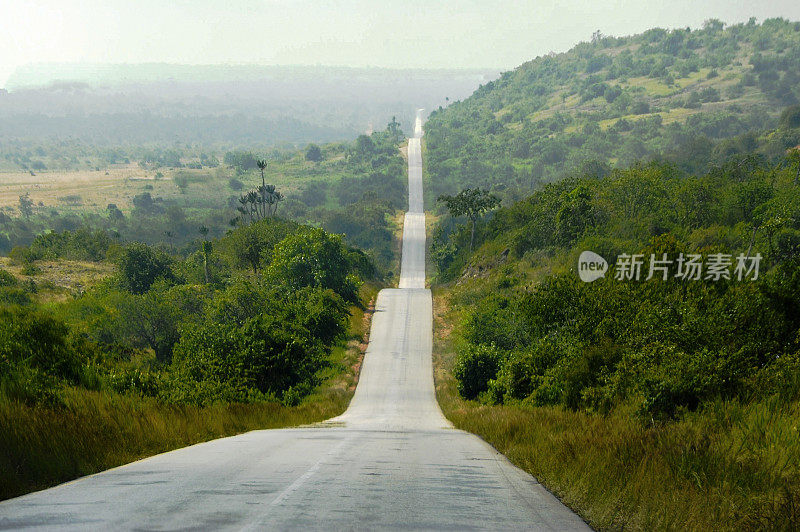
<point>261,359</point>
<point>790,117</point>
<point>6,279</point>
<point>251,245</point>
<point>313,153</point>
<point>13,295</point>
<point>314,193</point>
<point>140,266</point>
<point>36,353</point>
<point>313,258</point>
<point>475,366</point>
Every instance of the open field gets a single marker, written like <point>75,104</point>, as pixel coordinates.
<point>79,191</point>
<point>86,189</point>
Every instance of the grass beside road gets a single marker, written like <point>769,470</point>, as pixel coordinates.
<point>732,466</point>
<point>93,431</point>
<point>97,431</point>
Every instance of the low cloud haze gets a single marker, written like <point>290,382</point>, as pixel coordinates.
<point>412,34</point>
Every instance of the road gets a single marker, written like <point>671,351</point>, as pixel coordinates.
<point>390,461</point>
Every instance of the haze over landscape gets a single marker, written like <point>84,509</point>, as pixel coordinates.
<point>357,33</point>
<point>301,264</point>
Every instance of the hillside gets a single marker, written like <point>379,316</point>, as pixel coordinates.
<point>649,399</point>
<point>672,94</point>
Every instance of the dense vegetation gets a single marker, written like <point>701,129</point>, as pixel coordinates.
<point>204,303</point>
<point>258,316</point>
<point>668,94</point>
<point>216,331</point>
<point>696,381</point>
<point>667,344</point>
<point>652,402</point>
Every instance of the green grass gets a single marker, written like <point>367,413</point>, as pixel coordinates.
<point>732,466</point>
<point>677,114</point>
<point>96,431</point>
<point>93,431</point>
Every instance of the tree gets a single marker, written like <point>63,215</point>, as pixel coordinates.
<point>394,130</point>
<point>472,203</point>
<point>259,204</point>
<point>26,205</point>
<point>140,266</point>
<point>144,202</point>
<point>790,117</point>
<point>150,320</point>
<point>114,214</point>
<point>262,164</point>
<point>38,341</point>
<point>271,197</point>
<point>313,153</point>
<point>312,257</point>
<point>364,148</point>
<point>247,247</point>
<point>206,249</point>
<point>266,354</point>
<point>794,160</point>
<point>574,217</point>
<point>475,367</point>
<point>181,180</point>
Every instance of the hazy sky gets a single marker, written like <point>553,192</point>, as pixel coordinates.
<point>391,33</point>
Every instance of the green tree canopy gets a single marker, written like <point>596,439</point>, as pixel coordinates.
<point>140,266</point>
<point>313,153</point>
<point>472,203</point>
<point>312,257</point>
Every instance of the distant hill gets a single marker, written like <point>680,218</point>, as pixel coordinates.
<point>222,104</point>
<point>672,94</point>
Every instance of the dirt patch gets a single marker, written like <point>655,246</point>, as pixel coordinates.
<point>363,344</point>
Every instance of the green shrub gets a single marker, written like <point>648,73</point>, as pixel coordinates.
<point>313,258</point>
<point>36,355</point>
<point>29,269</point>
<point>35,339</point>
<point>265,357</point>
<point>140,266</point>
<point>81,244</point>
<point>6,279</point>
<point>14,295</point>
<point>475,366</point>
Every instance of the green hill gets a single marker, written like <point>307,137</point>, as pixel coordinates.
<point>672,94</point>
<point>649,401</point>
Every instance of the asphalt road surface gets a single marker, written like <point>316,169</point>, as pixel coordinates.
<point>390,461</point>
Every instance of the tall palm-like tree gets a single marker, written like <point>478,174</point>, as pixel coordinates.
<point>268,192</point>
<point>254,200</point>
<point>278,197</point>
<point>206,249</point>
<point>262,164</point>
<point>243,200</point>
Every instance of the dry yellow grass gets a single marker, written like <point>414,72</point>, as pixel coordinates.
<point>95,188</point>
<point>58,280</point>
<point>92,191</point>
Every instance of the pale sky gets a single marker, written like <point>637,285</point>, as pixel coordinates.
<point>388,33</point>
